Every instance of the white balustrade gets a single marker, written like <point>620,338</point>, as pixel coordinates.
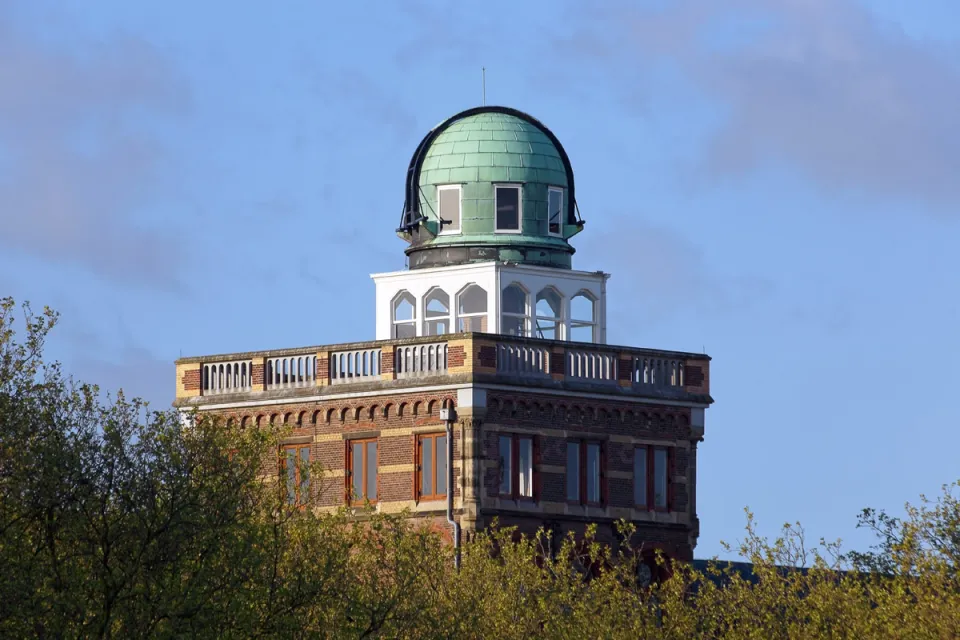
<point>218,378</point>
<point>417,360</point>
<point>291,371</point>
<point>523,360</point>
<point>360,365</point>
<point>657,372</point>
<point>591,365</point>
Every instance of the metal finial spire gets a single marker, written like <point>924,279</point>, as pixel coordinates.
<point>483,83</point>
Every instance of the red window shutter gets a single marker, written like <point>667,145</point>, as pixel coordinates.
<point>536,468</point>
<point>604,488</point>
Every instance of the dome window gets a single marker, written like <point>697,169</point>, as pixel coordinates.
<point>437,313</point>
<point>508,208</point>
<point>448,199</point>
<point>548,318</point>
<point>583,318</point>
<point>514,316</point>
<point>404,315</point>
<point>472,309</point>
<point>554,211</point>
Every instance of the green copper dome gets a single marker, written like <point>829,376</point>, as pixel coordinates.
<point>490,184</point>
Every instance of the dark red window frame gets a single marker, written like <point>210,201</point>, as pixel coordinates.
<point>418,481</point>
<point>514,470</point>
<point>583,444</point>
<point>651,478</point>
<point>298,498</point>
<point>351,466</point>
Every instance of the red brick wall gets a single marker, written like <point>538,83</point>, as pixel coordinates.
<point>191,380</point>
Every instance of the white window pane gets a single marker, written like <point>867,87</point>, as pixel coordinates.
<point>372,470</point>
<point>582,333</point>
<point>508,208</point>
<point>513,326</point>
<point>573,471</point>
<point>405,330</point>
<point>548,304</point>
<point>304,471</point>
<point>593,472</point>
<point>426,466</point>
<point>403,307</point>
<point>660,478</point>
<point>442,465</point>
<point>438,304</point>
<point>581,308</point>
<point>547,330</point>
<point>640,476</point>
<point>506,443</point>
<point>450,210</point>
<point>291,476</point>
<point>525,461</point>
<point>473,323</point>
<point>554,210</point>
<point>514,300</point>
<point>473,299</point>
<point>357,470</point>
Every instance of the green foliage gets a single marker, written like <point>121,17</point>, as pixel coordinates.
<point>117,521</point>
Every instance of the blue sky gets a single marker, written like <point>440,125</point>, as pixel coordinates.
<point>774,182</point>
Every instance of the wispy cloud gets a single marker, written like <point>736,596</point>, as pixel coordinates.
<point>822,86</point>
<point>78,156</point>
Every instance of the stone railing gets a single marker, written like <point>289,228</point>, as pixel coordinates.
<point>462,357</point>
<point>357,365</point>
<point>291,371</point>
<point>415,360</point>
<point>523,360</point>
<point>235,376</point>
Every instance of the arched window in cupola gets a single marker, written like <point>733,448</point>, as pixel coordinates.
<point>472,309</point>
<point>515,317</point>
<point>436,313</point>
<point>549,318</point>
<point>583,318</point>
<point>404,315</point>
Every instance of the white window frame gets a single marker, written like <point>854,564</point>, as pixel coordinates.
<point>525,316</point>
<point>427,319</point>
<point>450,187</point>
<point>519,188</point>
<point>579,322</point>
<point>559,233</point>
<point>458,316</point>
<point>394,323</point>
<point>556,320</point>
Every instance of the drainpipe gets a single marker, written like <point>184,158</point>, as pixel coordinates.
<point>448,417</point>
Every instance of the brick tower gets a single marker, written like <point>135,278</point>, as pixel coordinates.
<point>490,374</point>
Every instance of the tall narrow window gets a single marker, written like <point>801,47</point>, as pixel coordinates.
<point>660,478</point>
<point>514,317</point>
<point>404,316</point>
<point>432,466</point>
<point>517,466</point>
<point>593,472</point>
<point>640,476</point>
<point>437,313</point>
<point>508,208</point>
<point>295,463</point>
<point>549,308</point>
<point>585,472</point>
<point>651,478</point>
<point>554,211</point>
<point>573,471</point>
<point>583,322</point>
<point>448,197</point>
<point>472,309</point>
<point>506,466</point>
<point>362,470</point>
